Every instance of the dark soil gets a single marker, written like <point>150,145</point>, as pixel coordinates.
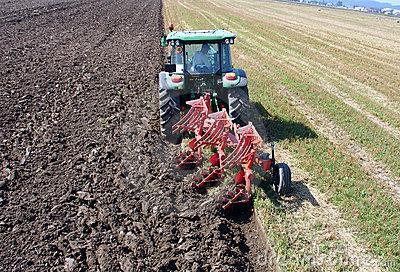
<point>86,182</point>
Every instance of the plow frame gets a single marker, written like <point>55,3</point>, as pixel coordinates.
<point>216,130</point>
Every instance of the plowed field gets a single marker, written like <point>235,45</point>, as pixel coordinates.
<point>86,181</point>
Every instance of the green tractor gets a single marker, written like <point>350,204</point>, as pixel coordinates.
<point>200,62</point>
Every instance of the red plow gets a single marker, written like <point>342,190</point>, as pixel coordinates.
<point>216,131</point>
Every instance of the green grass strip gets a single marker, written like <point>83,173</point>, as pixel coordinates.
<point>361,200</point>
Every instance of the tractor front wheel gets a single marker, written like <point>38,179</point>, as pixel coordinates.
<point>282,179</point>
<point>169,115</point>
<point>239,105</point>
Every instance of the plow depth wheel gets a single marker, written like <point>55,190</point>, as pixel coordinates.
<point>169,115</point>
<point>282,179</point>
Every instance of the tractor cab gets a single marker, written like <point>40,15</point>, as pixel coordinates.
<point>199,52</point>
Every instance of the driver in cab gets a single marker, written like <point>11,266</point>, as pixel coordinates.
<point>201,57</point>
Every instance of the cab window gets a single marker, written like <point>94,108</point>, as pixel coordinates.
<point>226,58</point>
<point>202,58</point>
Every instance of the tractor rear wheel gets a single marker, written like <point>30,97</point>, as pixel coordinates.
<point>282,179</point>
<point>239,105</point>
<point>169,115</point>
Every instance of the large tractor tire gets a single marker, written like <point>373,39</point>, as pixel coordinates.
<point>169,115</point>
<point>282,179</point>
<point>239,105</point>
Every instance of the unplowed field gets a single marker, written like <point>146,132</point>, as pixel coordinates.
<point>86,182</point>
<point>326,82</point>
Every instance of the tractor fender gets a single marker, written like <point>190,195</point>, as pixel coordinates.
<point>162,81</point>
<point>165,82</point>
<point>239,72</point>
<point>240,82</point>
<point>243,77</point>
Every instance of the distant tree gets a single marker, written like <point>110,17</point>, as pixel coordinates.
<point>339,4</point>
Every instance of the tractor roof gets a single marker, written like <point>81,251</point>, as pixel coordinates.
<point>200,35</point>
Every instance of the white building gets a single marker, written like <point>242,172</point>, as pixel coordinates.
<point>360,9</point>
<point>387,11</point>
